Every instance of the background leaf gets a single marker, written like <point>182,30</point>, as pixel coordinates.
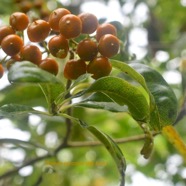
<point>22,93</point>
<point>15,110</point>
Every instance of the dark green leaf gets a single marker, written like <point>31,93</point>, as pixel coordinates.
<point>164,112</point>
<point>163,102</point>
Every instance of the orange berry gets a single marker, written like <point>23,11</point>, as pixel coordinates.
<point>89,22</point>
<point>74,68</point>
<point>25,6</point>
<point>70,26</point>
<point>108,45</point>
<point>105,28</point>
<point>58,46</point>
<point>99,67</point>
<point>19,21</point>
<point>87,49</point>
<point>38,30</point>
<point>12,44</point>
<point>50,65</point>
<point>4,31</point>
<point>55,16</point>
<point>31,53</point>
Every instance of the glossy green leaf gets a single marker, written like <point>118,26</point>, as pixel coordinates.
<point>123,93</point>
<point>28,72</point>
<point>164,111</point>
<point>100,100</point>
<point>130,71</point>
<point>112,148</point>
<point>163,102</point>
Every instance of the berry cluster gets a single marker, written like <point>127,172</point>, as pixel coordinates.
<point>87,44</point>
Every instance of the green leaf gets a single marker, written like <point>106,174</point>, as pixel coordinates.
<point>80,79</point>
<point>15,110</point>
<point>24,93</point>
<point>123,93</point>
<point>104,105</point>
<point>164,112</point>
<point>100,100</point>
<point>28,72</point>
<point>130,71</point>
<point>113,149</point>
<point>163,102</point>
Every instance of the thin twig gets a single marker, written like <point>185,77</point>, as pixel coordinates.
<point>29,162</point>
<point>98,143</point>
<point>68,123</point>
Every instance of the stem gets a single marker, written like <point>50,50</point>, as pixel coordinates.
<point>118,141</point>
<point>149,143</point>
<point>68,122</point>
<point>74,42</point>
<point>4,59</point>
<point>45,47</point>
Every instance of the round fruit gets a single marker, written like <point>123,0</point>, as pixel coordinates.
<point>19,21</point>
<point>99,67</point>
<point>89,22</point>
<point>74,68</point>
<point>70,26</point>
<point>50,65</point>
<point>38,4</point>
<point>25,6</point>
<point>4,31</point>
<point>55,16</point>
<point>58,46</point>
<point>87,49</point>
<point>105,28</point>
<point>38,30</point>
<point>12,44</point>
<point>31,53</point>
<point>108,45</point>
<point>1,70</point>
